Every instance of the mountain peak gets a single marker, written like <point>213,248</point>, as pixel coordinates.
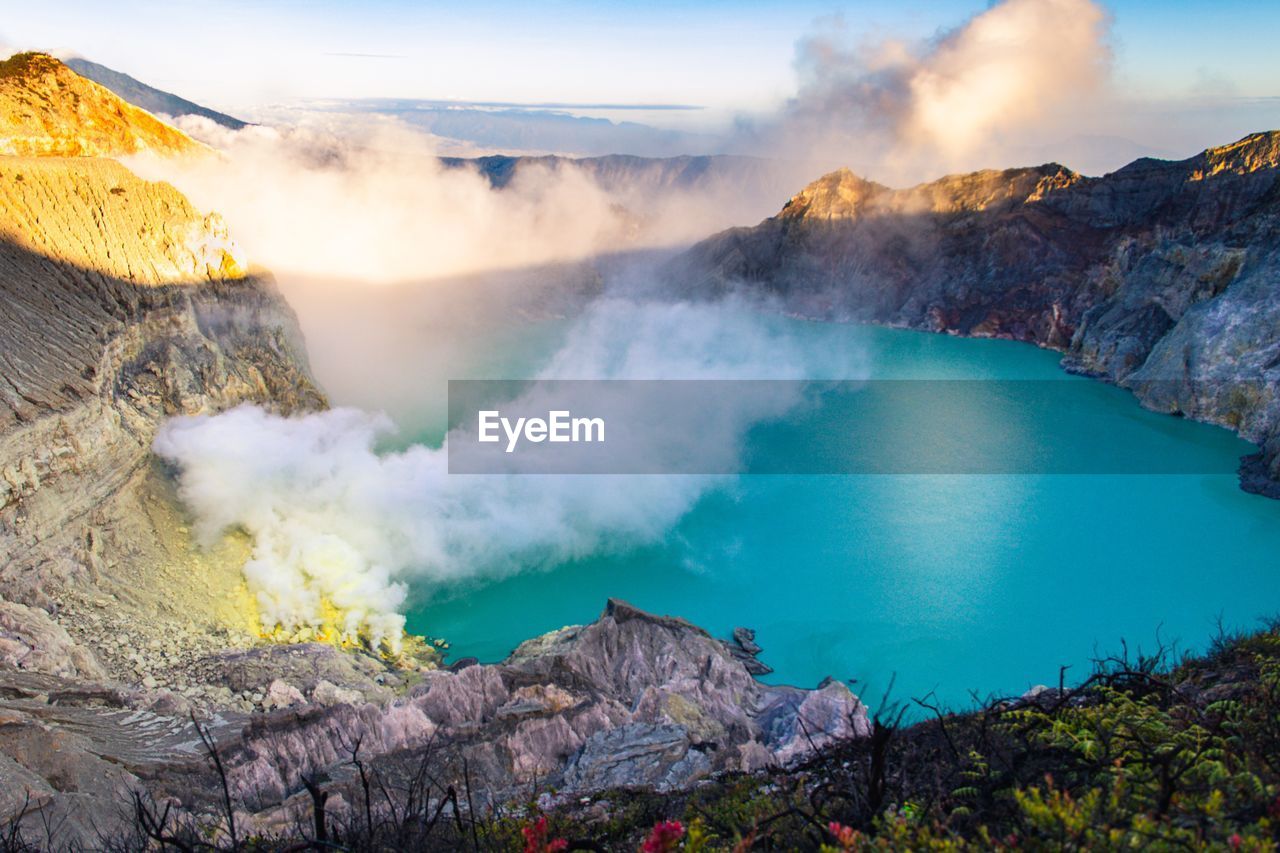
<point>1253,153</point>
<point>28,64</point>
<point>844,195</point>
<point>838,195</point>
<point>46,109</point>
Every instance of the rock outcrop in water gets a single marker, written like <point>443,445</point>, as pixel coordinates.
<point>1160,277</point>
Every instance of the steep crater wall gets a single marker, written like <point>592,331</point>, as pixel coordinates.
<point>1161,277</point>
<point>120,305</point>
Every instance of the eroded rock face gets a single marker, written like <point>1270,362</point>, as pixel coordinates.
<point>32,641</point>
<point>632,699</point>
<point>120,305</point>
<point>1160,276</point>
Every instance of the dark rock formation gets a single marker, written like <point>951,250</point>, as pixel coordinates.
<point>1160,276</point>
<point>746,650</point>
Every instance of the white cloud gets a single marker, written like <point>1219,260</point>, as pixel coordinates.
<point>1019,75</point>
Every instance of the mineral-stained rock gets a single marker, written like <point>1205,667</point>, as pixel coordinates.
<point>1160,276</point>
<point>47,109</point>
<point>630,699</point>
<point>120,305</point>
<point>327,693</point>
<point>281,694</point>
<point>304,666</point>
<point>660,755</point>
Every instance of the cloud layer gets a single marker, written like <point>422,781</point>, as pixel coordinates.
<point>365,198</point>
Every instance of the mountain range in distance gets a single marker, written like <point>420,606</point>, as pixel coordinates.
<point>579,131</point>
<point>149,98</point>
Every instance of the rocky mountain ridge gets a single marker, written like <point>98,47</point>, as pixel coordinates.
<point>121,305</point>
<point>1160,276</point>
<point>46,109</point>
<point>149,98</point>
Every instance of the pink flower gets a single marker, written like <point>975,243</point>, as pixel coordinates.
<point>535,838</point>
<point>664,837</point>
<point>846,836</point>
<point>1235,841</point>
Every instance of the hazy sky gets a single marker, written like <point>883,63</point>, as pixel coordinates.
<point>723,55</point>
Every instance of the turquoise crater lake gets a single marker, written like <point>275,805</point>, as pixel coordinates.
<point>952,583</point>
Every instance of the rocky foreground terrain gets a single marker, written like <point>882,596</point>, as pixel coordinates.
<point>1163,277</point>
<point>631,699</point>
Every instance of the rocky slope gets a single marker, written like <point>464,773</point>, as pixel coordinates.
<point>46,109</point>
<point>121,305</point>
<point>631,699</point>
<point>1160,276</point>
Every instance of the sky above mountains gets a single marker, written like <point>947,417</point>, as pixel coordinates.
<point>718,54</point>
<point>897,90</point>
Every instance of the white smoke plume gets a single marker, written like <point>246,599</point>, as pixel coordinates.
<point>1006,80</point>
<point>393,260</point>
<point>333,520</point>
